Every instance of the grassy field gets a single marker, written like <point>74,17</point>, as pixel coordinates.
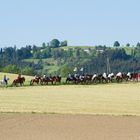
<point>112,99</point>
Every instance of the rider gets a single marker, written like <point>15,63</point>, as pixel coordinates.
<point>35,77</point>
<point>119,74</point>
<point>81,77</point>
<point>51,77</point>
<point>5,79</point>
<point>104,75</point>
<point>70,76</point>
<point>94,75</point>
<point>76,75</point>
<point>19,76</point>
<point>129,75</point>
<point>44,76</point>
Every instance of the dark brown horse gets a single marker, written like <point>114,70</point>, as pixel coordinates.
<point>88,79</point>
<point>36,80</point>
<point>57,79</point>
<point>47,80</point>
<point>71,79</point>
<point>19,81</point>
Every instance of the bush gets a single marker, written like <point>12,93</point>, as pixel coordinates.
<point>28,71</point>
<point>11,69</point>
<point>65,70</point>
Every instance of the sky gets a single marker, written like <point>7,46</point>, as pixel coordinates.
<point>80,22</point>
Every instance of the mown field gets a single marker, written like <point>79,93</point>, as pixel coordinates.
<point>111,99</point>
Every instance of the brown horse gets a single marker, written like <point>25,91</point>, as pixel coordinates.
<point>135,77</point>
<point>71,79</point>
<point>19,81</point>
<point>57,79</point>
<point>44,81</point>
<point>88,79</point>
<point>49,80</point>
<point>36,80</point>
<point>52,80</point>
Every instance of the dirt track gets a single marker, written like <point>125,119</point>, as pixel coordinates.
<point>68,127</point>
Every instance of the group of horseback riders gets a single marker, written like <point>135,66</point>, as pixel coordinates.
<point>5,78</point>
<point>44,80</point>
<point>36,80</point>
<point>76,78</point>
<point>101,78</point>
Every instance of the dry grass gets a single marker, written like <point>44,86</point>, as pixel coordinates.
<point>113,99</point>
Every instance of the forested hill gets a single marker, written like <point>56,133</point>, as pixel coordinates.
<point>58,58</point>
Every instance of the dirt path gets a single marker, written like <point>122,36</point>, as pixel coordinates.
<point>68,127</point>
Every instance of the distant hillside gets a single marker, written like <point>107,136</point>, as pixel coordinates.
<point>32,60</point>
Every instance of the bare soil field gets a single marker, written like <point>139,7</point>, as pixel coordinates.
<point>68,127</point>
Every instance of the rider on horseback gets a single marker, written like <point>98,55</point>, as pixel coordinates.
<point>44,76</point>
<point>129,75</point>
<point>35,77</point>
<point>104,75</point>
<point>51,78</point>
<point>19,76</point>
<point>81,77</point>
<point>5,79</point>
<point>70,76</point>
<point>76,76</point>
<point>119,74</point>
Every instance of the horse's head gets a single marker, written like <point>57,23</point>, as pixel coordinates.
<point>22,79</point>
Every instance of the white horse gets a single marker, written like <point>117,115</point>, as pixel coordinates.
<point>119,74</point>
<point>94,76</point>
<point>110,77</point>
<point>105,75</point>
<point>3,83</point>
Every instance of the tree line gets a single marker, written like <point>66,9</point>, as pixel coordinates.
<point>92,59</point>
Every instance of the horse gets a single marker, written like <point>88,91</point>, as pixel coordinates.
<point>126,77</point>
<point>19,81</point>
<point>53,80</point>
<point>43,81</point>
<point>57,79</point>
<point>135,77</point>
<point>3,83</point>
<point>110,77</point>
<point>94,78</point>
<point>35,80</point>
<point>50,79</point>
<point>82,79</point>
<point>71,79</point>
<point>100,78</point>
<point>119,77</point>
